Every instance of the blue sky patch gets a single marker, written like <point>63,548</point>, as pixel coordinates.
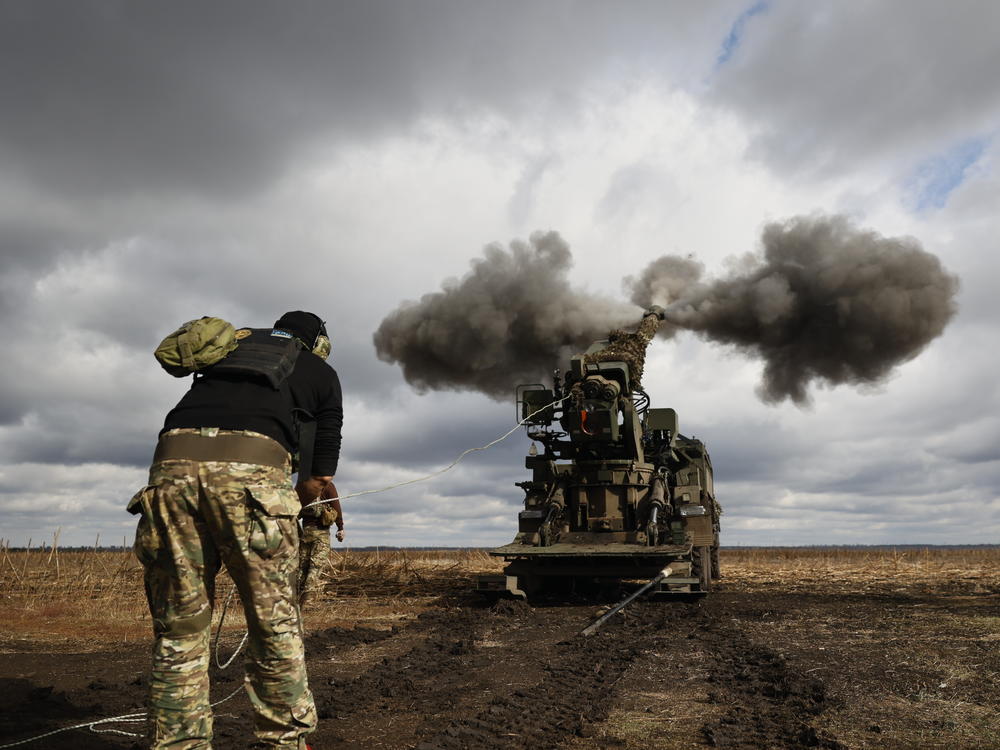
<point>937,177</point>
<point>735,35</point>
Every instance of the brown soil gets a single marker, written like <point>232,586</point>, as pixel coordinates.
<point>815,662</point>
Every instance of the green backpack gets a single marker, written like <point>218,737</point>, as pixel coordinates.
<point>196,345</point>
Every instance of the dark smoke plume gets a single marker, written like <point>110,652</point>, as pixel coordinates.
<point>511,319</point>
<point>824,301</point>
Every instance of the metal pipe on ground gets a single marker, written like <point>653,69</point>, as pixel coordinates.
<point>596,624</point>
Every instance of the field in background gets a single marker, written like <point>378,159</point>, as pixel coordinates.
<point>84,599</point>
<point>77,599</point>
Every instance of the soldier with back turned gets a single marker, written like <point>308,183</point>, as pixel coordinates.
<point>220,492</point>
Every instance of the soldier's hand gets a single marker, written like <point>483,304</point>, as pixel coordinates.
<point>309,489</point>
<point>327,514</point>
<point>340,535</point>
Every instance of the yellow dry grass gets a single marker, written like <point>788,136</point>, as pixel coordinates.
<point>928,569</point>
<point>90,598</point>
<point>77,599</point>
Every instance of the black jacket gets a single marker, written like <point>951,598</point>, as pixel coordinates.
<point>242,402</point>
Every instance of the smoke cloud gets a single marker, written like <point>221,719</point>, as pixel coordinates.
<point>822,302</point>
<point>512,319</point>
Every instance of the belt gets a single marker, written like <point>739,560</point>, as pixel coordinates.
<point>223,447</point>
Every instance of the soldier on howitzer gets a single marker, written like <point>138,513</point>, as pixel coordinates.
<point>630,346</point>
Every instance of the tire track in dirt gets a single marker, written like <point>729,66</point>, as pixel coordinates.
<point>340,639</point>
<point>769,704</point>
<point>406,685</point>
<point>575,692</point>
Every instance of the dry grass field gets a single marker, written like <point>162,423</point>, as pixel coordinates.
<point>811,647</point>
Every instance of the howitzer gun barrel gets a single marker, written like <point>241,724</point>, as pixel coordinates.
<point>651,320</point>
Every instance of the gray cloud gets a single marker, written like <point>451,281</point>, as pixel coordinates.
<point>427,438</point>
<point>831,91</point>
<point>737,447</point>
<point>975,440</point>
<point>114,97</point>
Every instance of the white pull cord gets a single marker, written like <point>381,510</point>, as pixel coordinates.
<point>449,467</point>
<point>136,718</point>
<point>218,634</point>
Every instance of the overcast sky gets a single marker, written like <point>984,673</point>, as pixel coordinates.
<point>162,161</point>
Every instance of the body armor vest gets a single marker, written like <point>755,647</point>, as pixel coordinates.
<point>266,352</point>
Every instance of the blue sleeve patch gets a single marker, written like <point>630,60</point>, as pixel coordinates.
<point>281,334</point>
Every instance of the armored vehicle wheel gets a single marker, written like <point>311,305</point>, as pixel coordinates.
<point>716,568</point>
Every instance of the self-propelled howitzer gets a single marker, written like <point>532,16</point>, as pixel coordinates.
<point>616,491</point>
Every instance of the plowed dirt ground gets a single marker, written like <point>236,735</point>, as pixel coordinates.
<point>784,654</point>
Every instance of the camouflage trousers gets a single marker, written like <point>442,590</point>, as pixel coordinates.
<point>197,515</point>
<point>314,558</point>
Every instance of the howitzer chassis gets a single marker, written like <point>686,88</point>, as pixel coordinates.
<point>617,493</point>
